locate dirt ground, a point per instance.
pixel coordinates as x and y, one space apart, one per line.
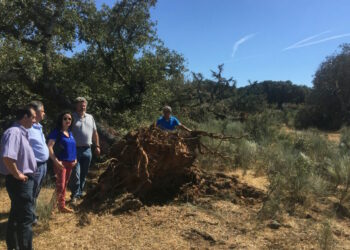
212 224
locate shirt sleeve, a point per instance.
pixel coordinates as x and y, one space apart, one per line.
53 135
11 145
158 121
176 121
93 124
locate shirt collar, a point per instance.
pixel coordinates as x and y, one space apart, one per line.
170 117
23 129
37 125
78 116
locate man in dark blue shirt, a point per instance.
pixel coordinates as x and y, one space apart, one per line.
169 122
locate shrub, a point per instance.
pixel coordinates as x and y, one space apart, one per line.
45 205
226 150
326 239
246 153
261 126
345 140
289 173
339 174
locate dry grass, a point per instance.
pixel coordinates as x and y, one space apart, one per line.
214 224
334 137
249 177
331 136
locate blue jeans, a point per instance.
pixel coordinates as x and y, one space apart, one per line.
19 233
79 173
38 176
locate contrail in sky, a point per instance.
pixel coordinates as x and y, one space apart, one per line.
307 39
305 42
241 41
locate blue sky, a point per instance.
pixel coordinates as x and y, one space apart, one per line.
256 39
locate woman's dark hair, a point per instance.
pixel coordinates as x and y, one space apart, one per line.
60 119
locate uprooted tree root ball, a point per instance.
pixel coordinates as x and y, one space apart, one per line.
153 166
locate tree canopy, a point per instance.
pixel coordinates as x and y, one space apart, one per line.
329 102
123 67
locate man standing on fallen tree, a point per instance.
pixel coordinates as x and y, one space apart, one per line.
169 122
85 132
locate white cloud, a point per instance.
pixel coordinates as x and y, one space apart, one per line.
240 42
307 41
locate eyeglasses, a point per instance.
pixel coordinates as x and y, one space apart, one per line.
67 119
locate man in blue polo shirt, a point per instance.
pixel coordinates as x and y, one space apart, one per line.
169 122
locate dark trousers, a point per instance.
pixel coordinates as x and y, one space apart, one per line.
19 233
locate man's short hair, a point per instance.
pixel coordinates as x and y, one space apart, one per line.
80 99
22 111
36 105
167 108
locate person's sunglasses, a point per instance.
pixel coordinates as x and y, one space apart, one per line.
67 119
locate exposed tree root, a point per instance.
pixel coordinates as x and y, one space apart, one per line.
150 166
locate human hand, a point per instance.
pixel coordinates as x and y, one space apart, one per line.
22 177
97 151
59 164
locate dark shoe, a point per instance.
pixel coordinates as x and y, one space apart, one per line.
74 201
35 222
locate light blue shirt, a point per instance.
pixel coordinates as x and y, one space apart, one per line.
38 142
15 145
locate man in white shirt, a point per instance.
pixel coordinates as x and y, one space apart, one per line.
85 133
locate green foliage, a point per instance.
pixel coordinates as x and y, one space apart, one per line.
326 240
226 151
301 167
10 102
314 145
125 71
277 92
289 114
246 153
329 101
345 140
44 209
261 126
289 174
